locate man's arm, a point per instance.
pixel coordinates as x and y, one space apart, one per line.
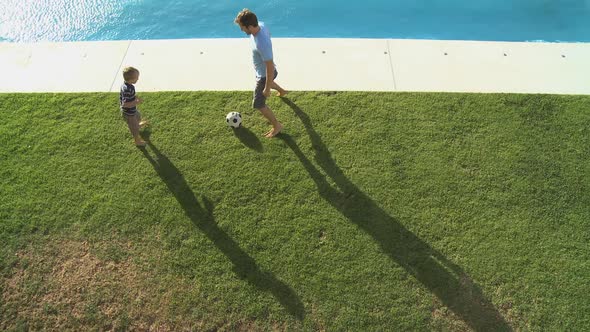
270 75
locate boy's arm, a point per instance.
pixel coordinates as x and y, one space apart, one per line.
129 104
270 75
132 103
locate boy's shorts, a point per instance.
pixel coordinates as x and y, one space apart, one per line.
259 99
127 116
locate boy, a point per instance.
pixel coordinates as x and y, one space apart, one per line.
129 102
263 65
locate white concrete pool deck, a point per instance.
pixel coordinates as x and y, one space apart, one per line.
304 64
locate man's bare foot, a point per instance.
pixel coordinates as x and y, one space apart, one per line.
274 131
282 93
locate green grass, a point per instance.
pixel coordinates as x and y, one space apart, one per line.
373 211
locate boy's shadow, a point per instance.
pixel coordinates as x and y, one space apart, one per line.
443 278
201 216
248 138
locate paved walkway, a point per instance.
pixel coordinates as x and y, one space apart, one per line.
303 64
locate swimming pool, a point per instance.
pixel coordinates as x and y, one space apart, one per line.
498 20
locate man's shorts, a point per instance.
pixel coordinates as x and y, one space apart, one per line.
259 100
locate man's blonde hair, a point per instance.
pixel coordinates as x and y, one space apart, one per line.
129 73
246 18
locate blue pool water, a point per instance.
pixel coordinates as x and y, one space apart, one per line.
501 20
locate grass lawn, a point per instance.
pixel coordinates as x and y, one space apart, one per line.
372 212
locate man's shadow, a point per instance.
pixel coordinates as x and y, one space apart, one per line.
201 216
443 278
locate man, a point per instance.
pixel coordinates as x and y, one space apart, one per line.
263 65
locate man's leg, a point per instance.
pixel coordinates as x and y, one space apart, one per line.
280 91
259 102
270 116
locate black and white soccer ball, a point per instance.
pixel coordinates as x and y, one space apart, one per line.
234 119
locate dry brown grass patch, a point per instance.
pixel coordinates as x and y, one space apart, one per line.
64 285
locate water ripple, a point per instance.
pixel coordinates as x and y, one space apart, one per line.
55 20
502 20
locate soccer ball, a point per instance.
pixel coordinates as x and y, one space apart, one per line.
234 119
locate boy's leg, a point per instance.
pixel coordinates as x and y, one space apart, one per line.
142 123
133 124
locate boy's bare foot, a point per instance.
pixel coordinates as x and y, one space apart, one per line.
140 143
274 131
282 93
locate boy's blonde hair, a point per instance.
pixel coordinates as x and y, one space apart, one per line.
129 73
